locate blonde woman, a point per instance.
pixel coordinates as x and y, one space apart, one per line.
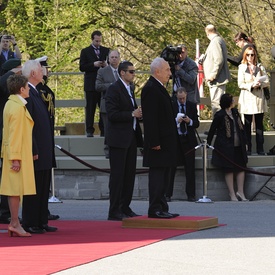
251 80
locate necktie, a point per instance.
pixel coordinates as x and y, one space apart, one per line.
132 99
116 74
183 126
97 52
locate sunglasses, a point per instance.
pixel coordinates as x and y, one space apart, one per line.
130 71
250 54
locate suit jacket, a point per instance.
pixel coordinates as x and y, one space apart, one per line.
105 77
191 111
119 109
42 134
237 60
187 75
159 126
11 55
215 63
4 95
48 97
86 65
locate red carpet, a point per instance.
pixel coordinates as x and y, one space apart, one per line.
75 243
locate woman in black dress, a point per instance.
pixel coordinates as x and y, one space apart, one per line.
230 144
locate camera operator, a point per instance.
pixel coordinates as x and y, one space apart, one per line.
186 72
5 49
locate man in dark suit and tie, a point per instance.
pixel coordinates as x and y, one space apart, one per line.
91 59
123 137
35 207
105 77
160 137
186 115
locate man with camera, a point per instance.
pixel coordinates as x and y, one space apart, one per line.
6 52
91 59
186 71
187 121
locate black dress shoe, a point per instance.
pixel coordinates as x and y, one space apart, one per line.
52 217
117 217
192 199
132 214
160 215
34 230
48 228
90 135
174 215
168 199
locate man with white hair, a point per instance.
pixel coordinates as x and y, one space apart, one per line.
35 207
160 137
215 67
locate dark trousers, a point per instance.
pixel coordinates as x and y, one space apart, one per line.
122 177
259 131
35 207
158 180
4 204
189 168
92 101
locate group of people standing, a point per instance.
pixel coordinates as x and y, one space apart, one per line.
27 149
231 125
170 122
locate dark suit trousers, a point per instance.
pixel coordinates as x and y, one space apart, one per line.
158 180
189 168
35 207
122 177
92 100
4 204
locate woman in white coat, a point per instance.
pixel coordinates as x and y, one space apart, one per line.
252 79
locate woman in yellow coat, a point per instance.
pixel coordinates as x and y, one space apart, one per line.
17 171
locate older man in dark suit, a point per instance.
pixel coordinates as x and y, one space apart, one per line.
160 137
105 77
186 115
123 137
91 59
35 207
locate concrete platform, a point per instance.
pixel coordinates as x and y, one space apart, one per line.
181 222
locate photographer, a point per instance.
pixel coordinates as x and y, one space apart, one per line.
187 121
6 52
186 72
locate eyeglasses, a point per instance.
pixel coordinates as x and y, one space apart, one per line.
250 54
130 71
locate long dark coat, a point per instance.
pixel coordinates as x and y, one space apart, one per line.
159 126
223 143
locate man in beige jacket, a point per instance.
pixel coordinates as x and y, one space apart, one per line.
215 67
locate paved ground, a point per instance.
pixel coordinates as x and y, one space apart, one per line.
246 245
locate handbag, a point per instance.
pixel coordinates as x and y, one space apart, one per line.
266 93
265 89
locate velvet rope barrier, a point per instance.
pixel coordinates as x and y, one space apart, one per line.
141 171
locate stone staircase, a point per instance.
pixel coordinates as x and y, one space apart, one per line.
73 180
